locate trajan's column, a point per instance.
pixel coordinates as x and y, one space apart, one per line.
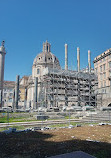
2 62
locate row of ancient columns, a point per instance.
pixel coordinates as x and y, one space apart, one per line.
78 59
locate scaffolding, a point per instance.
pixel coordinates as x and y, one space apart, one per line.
59 87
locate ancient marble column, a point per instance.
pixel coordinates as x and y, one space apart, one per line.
78 59
2 62
66 57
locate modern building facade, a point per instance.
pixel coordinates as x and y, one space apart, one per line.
102 67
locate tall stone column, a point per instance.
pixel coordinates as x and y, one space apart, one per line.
66 57
35 91
17 91
2 62
89 61
78 59
13 101
25 100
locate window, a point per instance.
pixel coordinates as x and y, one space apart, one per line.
38 71
47 48
5 94
109 56
110 64
110 82
104 83
109 73
10 99
11 90
104 59
96 70
11 94
5 90
104 75
101 68
104 67
101 76
101 84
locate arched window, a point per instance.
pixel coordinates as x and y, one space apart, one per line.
38 71
47 48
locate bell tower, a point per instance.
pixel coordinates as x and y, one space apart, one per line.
2 62
46 47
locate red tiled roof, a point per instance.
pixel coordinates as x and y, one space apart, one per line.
9 84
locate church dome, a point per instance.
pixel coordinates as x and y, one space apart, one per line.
46 58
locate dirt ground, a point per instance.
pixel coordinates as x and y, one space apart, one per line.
94 140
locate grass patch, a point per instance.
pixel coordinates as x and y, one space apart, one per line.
59 125
13 119
71 123
69 117
17 128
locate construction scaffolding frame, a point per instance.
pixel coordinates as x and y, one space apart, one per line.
59 87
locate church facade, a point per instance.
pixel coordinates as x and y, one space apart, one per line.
42 61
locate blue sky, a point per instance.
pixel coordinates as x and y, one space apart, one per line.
26 24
